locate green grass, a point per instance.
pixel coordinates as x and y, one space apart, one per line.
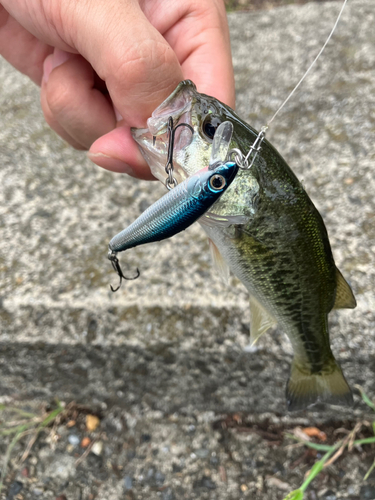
333 452
20 423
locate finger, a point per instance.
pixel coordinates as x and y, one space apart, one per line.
198 33
53 123
117 151
137 64
73 103
21 49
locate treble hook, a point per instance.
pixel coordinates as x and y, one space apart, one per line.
169 167
116 266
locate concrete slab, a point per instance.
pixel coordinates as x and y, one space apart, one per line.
173 341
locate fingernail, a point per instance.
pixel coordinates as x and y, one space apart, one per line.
110 163
53 60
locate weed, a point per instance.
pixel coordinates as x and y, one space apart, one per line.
20 423
333 452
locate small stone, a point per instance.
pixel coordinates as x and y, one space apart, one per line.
61 468
128 483
92 422
330 495
71 423
97 448
281 485
70 448
202 453
37 492
243 488
205 482
14 489
85 442
168 494
159 478
367 492
25 472
351 490
145 438
73 439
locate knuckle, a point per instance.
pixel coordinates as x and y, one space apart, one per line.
146 64
58 95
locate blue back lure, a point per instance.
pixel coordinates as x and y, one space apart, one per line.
174 212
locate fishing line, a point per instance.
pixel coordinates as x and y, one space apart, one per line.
255 148
311 65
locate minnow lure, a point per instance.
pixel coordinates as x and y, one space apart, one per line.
174 212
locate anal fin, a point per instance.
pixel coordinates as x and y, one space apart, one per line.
344 296
260 320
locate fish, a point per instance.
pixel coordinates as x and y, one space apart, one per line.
267 231
174 212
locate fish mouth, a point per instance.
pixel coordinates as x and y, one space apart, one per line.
153 141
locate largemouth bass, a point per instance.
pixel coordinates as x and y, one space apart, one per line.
269 233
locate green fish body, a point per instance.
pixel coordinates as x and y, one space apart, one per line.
268 232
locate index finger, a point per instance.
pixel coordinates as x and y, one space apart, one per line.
199 35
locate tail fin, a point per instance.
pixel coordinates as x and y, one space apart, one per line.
327 386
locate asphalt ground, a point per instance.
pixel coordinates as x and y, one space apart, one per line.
167 357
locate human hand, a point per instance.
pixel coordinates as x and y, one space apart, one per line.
105 66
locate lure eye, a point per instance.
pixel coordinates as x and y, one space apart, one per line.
210 125
217 182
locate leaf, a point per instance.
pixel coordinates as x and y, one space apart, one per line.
295 495
369 471
364 441
365 398
314 446
315 432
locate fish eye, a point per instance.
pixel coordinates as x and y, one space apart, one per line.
210 125
217 182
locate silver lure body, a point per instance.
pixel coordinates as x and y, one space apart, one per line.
177 209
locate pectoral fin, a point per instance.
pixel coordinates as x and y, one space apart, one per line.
213 220
260 320
344 295
219 263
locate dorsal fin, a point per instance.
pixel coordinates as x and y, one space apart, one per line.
219 263
344 295
260 320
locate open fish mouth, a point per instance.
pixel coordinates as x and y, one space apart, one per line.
153 141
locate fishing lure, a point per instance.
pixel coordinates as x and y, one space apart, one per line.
174 212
